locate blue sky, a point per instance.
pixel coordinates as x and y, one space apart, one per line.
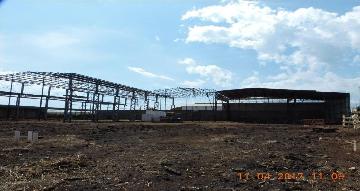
169 43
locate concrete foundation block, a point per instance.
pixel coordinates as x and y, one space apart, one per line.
355 147
35 137
17 135
30 136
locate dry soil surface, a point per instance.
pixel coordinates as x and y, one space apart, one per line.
183 156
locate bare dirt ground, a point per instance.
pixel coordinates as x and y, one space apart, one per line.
185 156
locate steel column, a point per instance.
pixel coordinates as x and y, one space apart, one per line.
18 101
41 99
47 103
9 102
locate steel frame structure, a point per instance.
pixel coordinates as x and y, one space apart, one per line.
335 103
93 91
181 92
90 93
93 94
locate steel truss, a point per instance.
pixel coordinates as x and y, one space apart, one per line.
93 88
181 92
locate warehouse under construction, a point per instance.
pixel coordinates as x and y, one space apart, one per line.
71 96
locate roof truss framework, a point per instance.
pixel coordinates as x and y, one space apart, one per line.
180 92
72 82
86 84
80 83
93 88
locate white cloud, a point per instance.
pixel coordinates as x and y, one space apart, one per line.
279 35
187 61
327 82
148 74
307 44
356 59
107 1
219 76
178 40
3 72
53 40
193 84
63 45
157 38
70 38
1 41
3 59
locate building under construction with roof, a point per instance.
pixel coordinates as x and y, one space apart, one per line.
69 96
283 105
